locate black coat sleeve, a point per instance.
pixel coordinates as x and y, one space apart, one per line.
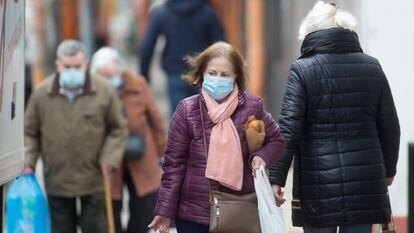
389 129
291 121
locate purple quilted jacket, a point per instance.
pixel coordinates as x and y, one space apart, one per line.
184 191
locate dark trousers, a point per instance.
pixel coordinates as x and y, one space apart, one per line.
65 219
178 90
141 210
360 228
184 226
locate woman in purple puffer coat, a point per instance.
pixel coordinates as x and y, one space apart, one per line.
184 192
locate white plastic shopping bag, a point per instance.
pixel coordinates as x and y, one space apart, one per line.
271 216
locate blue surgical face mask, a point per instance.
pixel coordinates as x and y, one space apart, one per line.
218 87
72 78
116 81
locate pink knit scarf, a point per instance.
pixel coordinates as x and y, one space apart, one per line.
225 158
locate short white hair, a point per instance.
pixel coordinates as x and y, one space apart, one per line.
103 57
324 16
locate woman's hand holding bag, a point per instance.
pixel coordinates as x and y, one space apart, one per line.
160 224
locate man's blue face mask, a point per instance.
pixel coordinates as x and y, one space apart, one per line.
72 78
218 87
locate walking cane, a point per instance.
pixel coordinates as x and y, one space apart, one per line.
108 203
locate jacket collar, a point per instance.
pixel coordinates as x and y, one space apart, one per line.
242 99
333 40
131 83
88 87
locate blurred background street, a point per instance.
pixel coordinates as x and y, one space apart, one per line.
264 31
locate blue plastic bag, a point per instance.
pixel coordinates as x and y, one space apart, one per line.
26 207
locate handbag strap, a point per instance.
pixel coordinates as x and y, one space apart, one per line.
204 139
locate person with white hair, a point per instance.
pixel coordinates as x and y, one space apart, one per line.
140 170
341 129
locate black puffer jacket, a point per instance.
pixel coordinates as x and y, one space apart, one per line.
341 127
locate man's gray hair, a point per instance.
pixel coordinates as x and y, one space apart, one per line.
69 48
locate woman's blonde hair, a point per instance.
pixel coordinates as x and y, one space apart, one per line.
198 64
325 16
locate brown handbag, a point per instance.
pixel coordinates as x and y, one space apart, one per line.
389 227
231 213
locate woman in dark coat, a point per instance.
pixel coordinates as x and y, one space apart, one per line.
341 129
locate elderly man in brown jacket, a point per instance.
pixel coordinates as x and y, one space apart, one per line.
75 123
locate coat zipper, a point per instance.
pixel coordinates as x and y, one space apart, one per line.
217 212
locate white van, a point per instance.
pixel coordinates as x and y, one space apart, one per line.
12 21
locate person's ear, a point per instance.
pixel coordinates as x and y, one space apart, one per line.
58 65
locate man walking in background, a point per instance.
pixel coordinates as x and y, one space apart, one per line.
189 26
75 123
